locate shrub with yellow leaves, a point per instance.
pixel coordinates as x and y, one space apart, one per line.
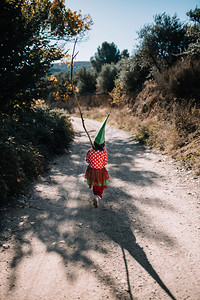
117 94
60 87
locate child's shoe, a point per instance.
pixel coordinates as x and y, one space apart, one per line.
96 201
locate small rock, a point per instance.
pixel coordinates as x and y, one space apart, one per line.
123 281
190 193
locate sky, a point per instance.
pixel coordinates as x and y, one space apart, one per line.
118 21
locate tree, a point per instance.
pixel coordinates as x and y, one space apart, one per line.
194 15
29 36
161 42
132 74
124 54
106 77
106 54
193 31
86 80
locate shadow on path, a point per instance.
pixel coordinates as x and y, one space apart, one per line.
120 232
44 217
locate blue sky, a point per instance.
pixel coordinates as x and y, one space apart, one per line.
119 20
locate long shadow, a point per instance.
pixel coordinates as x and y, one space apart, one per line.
121 233
44 216
127 274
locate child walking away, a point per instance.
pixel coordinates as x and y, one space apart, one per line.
96 174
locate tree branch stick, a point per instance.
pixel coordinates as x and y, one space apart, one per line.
75 95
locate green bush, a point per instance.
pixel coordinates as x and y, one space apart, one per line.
143 135
27 141
86 80
132 74
106 78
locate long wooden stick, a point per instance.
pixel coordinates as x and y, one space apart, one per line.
75 95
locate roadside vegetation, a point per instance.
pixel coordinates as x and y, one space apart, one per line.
32 35
28 141
154 93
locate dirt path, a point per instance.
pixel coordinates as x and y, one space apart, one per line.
141 243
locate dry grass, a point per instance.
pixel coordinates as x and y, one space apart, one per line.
119 117
174 132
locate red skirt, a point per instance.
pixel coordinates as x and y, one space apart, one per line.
97 177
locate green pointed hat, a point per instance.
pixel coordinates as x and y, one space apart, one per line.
100 137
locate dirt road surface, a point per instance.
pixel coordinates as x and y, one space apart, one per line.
141 243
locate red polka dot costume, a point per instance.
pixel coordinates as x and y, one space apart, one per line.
96 159
96 174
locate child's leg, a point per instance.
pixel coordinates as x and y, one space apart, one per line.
98 190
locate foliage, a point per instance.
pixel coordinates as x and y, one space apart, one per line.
162 46
86 80
106 78
124 54
165 74
143 135
161 42
106 54
132 73
182 81
193 30
59 87
27 141
175 131
117 94
131 76
194 15
29 31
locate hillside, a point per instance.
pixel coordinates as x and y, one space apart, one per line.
57 67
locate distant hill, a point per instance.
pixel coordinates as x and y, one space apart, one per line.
64 67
